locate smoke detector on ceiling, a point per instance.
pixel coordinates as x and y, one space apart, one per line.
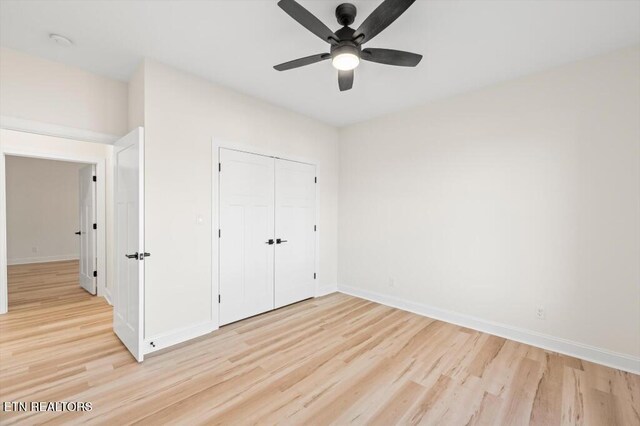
61 40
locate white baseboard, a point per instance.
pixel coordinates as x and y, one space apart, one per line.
544 341
107 296
326 289
41 259
163 341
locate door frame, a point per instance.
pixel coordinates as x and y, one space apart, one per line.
216 144
101 191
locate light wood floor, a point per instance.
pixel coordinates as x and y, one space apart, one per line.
333 360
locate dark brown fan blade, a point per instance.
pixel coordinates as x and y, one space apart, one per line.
391 57
308 20
345 80
381 18
302 62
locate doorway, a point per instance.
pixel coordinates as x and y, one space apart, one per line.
36 146
51 230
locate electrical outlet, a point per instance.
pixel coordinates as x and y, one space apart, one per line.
540 312
34 249
392 282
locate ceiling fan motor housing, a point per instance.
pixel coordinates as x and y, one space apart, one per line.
346 14
346 43
345 47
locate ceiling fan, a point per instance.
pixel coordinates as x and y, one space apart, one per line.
346 43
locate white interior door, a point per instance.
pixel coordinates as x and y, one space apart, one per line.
295 232
129 241
246 230
88 240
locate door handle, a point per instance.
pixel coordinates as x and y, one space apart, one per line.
279 241
78 233
270 242
131 256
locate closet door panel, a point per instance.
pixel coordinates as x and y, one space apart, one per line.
246 225
295 228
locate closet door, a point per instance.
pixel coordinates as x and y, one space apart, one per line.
246 228
295 232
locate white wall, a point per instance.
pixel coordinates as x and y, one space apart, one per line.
42 210
45 91
491 203
136 99
182 115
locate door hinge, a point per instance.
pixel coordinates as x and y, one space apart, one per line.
315 228
219 233
219 298
95 226
314 275
95 273
219 167
95 178
315 180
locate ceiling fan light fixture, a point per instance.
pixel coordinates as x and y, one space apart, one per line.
345 61
345 58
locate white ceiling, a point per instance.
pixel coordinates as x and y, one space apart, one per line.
466 44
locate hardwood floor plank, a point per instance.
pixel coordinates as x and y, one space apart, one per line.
488 411
547 405
573 398
398 405
519 401
429 400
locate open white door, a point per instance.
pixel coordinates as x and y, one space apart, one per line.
87 233
128 294
246 235
295 209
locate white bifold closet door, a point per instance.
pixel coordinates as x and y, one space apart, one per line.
295 232
246 226
267 233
